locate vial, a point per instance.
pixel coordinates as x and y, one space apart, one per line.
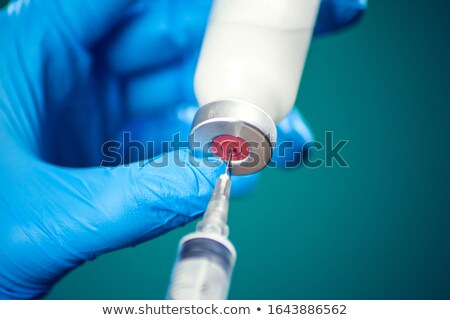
249 71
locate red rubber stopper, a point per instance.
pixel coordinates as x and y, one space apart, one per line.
221 146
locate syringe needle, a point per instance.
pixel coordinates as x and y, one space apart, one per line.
228 168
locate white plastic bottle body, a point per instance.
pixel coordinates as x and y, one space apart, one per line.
255 51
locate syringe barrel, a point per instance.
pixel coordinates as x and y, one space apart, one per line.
203 268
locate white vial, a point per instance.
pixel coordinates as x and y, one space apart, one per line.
255 51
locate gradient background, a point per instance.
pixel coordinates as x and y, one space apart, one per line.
377 230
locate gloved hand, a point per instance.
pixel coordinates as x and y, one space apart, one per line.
73 75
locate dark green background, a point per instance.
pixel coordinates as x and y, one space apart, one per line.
377 230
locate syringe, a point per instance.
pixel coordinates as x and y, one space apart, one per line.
206 257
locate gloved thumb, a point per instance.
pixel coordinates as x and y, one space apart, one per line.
102 209
58 218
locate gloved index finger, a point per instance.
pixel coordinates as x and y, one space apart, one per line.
86 21
162 33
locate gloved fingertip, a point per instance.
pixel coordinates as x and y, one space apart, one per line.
294 135
337 14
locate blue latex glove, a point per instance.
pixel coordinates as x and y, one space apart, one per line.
74 74
337 14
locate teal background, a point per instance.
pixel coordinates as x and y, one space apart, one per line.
377 230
